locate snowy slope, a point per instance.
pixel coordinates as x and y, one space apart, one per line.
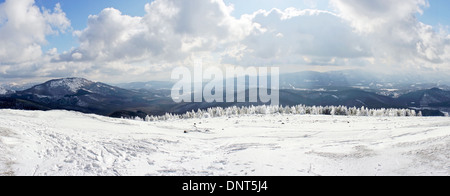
60 87
5 91
72 84
2 90
69 143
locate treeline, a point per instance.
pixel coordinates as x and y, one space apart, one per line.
295 110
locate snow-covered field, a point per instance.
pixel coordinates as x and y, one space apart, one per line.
70 143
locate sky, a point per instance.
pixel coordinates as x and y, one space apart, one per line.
143 40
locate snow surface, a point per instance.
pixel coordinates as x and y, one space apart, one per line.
70 143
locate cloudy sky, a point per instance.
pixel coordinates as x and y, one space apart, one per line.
142 40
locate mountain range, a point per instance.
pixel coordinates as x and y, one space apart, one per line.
153 98
82 95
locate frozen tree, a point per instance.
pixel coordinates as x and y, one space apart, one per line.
287 110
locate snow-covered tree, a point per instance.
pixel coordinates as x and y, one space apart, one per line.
287 110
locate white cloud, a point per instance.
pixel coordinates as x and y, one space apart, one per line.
376 33
171 31
394 33
109 35
300 37
56 20
24 27
369 16
77 56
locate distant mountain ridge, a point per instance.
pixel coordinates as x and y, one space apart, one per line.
3 91
152 85
59 87
425 98
86 96
81 95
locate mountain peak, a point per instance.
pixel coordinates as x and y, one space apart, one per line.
436 89
2 90
5 91
71 84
